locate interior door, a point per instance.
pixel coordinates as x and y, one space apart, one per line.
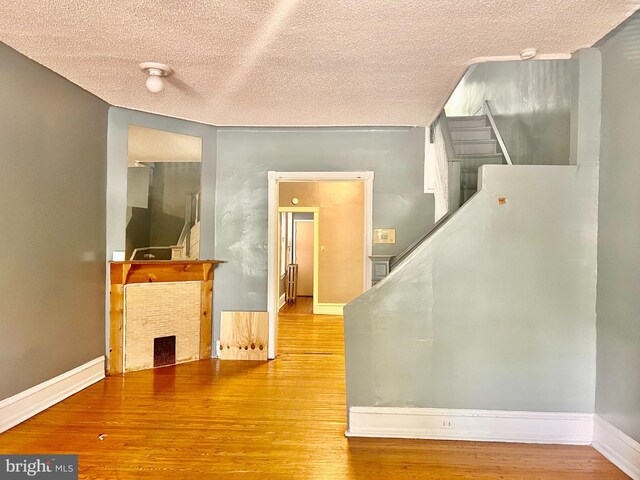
304 257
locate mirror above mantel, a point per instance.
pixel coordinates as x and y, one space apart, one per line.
163 195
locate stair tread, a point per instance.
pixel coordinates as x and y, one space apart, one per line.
473 133
469 129
484 156
467 117
479 140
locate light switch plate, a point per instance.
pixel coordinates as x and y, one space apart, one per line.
384 235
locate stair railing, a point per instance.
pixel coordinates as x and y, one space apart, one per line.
450 175
494 127
151 253
395 260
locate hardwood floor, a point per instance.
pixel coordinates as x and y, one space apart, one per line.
283 419
302 305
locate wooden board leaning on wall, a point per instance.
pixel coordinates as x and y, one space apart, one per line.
244 335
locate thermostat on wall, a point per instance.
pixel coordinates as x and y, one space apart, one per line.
384 235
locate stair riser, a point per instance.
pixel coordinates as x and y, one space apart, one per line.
473 134
479 147
467 123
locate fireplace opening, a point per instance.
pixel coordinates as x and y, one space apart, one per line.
164 351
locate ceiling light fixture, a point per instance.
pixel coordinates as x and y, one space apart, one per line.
529 53
155 83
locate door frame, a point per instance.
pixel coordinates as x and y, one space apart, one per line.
316 244
273 241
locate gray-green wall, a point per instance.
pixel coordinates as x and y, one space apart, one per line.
52 242
245 155
496 311
531 102
618 302
118 136
234 190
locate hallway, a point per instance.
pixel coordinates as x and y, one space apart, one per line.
283 419
302 305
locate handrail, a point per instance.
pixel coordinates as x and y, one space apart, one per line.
147 249
182 239
396 259
451 157
492 121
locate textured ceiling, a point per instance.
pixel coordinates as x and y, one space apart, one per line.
293 62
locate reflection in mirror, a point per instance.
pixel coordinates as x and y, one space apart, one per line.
163 195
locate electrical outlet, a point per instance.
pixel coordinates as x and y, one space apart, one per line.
446 422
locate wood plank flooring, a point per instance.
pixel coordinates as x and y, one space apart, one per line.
302 305
282 419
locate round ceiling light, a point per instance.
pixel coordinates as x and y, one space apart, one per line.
155 83
529 53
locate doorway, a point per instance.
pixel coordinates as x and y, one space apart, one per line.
298 258
340 282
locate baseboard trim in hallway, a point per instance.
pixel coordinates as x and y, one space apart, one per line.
329 308
618 447
473 425
30 402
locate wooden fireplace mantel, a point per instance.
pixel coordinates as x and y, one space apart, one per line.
141 271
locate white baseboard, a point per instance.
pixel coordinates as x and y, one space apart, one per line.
26 404
281 302
474 425
618 447
328 309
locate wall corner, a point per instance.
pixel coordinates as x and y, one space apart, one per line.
586 106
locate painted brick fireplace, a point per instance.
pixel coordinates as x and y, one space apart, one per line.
157 310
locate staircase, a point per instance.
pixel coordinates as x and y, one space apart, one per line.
474 143
471 142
